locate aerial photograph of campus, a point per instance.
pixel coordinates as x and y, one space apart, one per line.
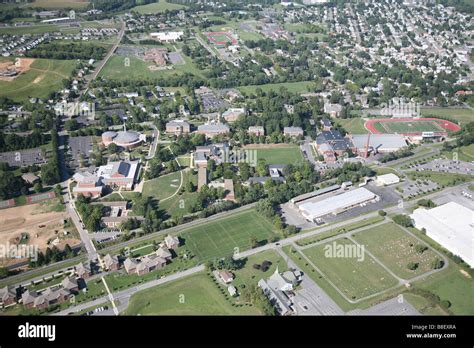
236 158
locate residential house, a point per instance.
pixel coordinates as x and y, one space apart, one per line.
111 263
7 295
171 242
83 270
225 276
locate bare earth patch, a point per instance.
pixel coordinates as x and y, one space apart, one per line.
22 65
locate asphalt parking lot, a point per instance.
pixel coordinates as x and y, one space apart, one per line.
446 166
23 158
418 187
78 146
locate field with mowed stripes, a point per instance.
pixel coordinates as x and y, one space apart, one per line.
219 238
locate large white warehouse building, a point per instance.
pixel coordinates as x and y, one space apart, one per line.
451 225
312 209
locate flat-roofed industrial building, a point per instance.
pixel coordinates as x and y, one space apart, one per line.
312 209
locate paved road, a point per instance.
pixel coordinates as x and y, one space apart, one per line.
125 295
311 299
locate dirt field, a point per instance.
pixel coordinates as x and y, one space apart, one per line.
41 227
22 66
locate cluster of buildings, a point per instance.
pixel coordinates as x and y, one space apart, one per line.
126 138
119 174
331 144
278 288
156 260
52 295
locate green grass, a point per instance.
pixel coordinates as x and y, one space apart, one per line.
45 76
464 153
343 229
442 179
396 248
181 204
353 125
293 87
290 154
356 279
160 188
461 115
193 295
57 4
157 7
115 69
411 127
453 286
219 238
423 305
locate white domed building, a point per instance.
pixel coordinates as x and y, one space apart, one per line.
125 139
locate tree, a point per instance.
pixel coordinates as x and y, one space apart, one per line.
382 213
412 266
38 187
3 272
403 220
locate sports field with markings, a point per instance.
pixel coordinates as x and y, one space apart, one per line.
219 238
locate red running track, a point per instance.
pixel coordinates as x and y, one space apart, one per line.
448 125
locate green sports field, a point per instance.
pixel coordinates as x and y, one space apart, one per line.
463 115
219 238
411 127
157 7
115 69
356 279
290 154
396 248
43 77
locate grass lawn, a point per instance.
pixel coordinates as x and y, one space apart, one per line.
115 69
442 179
465 153
219 238
157 7
162 187
423 305
293 87
55 4
353 125
193 295
249 275
290 154
45 76
396 248
181 204
462 115
343 229
356 279
453 286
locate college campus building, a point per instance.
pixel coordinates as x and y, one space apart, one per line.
50 296
178 127
211 130
170 36
126 139
451 226
378 143
387 179
312 208
120 174
293 131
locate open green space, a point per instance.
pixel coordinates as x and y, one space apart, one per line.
182 203
293 87
464 153
290 154
217 239
349 227
355 277
459 114
193 295
353 125
157 7
115 69
44 77
442 179
396 249
451 285
411 127
57 4
163 186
